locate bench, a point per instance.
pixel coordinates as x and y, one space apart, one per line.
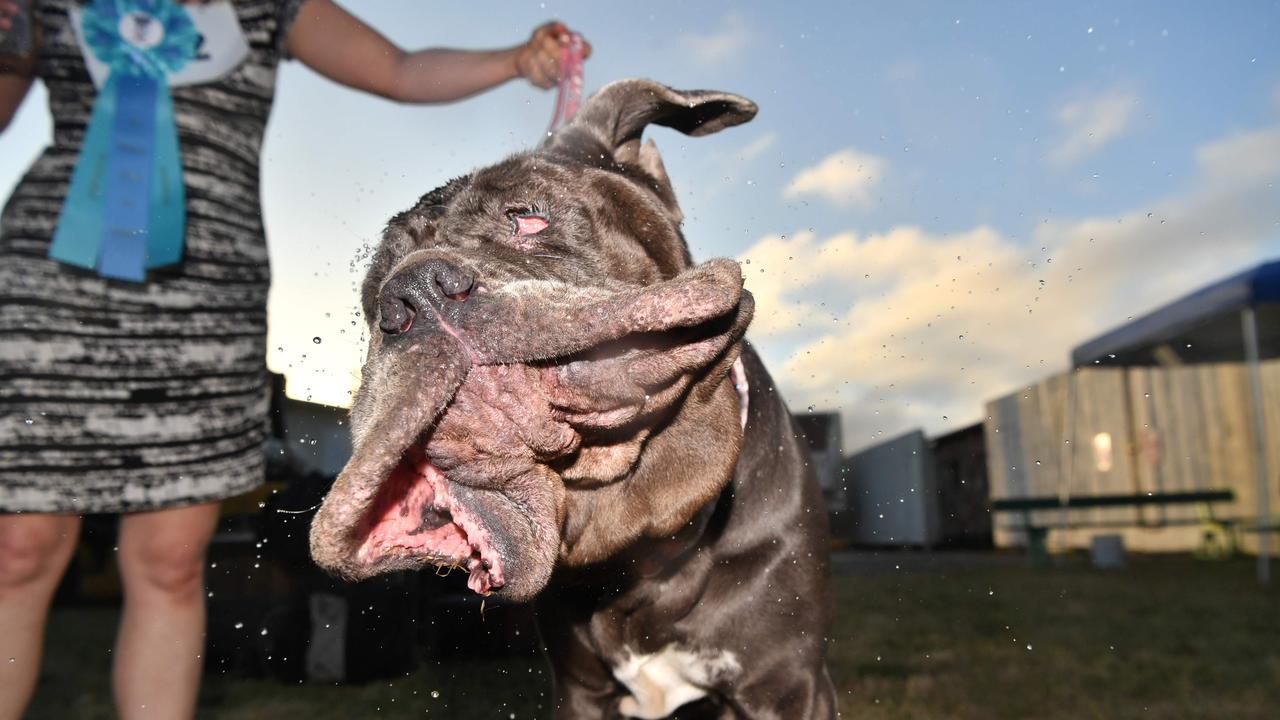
1219 537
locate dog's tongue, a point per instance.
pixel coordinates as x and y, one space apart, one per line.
415 386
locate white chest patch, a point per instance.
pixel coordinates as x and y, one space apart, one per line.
663 681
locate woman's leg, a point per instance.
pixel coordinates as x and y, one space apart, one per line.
159 651
34 550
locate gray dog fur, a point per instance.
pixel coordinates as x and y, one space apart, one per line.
547 403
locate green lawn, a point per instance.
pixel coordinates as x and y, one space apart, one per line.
1167 638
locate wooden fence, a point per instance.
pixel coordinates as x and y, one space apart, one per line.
1133 430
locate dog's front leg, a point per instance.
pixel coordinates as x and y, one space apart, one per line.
577 700
584 688
803 692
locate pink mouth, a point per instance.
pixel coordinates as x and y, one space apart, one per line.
414 515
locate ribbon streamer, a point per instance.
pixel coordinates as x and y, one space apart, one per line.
125 210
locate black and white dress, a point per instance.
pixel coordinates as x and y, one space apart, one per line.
118 396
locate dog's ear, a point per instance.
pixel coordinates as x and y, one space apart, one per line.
614 118
533 322
645 375
617 363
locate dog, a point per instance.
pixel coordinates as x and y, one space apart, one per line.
559 402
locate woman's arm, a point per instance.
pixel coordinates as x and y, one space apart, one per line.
13 88
335 44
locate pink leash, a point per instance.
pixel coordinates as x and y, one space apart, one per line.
569 94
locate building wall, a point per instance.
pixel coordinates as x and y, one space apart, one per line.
825 440
960 473
892 494
316 437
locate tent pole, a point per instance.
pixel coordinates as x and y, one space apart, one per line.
1249 324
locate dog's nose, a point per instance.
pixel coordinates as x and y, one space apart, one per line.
454 282
395 315
408 291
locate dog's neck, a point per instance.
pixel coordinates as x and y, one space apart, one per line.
686 464
667 553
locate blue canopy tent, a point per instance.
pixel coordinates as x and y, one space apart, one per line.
1233 320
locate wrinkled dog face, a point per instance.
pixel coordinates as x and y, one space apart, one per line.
532 325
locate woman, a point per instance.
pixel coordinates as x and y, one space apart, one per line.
149 398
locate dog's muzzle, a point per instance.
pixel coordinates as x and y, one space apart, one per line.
428 284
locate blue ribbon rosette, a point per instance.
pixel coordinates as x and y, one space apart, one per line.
125 211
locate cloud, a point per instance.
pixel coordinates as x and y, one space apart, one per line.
846 177
914 329
754 148
901 71
1089 124
723 45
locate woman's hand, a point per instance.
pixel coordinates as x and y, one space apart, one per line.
538 60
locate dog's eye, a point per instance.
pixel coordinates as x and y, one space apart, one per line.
526 222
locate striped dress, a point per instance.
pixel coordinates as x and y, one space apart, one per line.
118 396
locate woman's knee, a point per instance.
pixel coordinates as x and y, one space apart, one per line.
34 547
165 552
171 569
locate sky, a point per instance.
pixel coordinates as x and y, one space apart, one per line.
936 202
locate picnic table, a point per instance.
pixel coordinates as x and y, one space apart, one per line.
1218 540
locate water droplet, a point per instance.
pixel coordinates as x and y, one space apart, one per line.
316 340
435 693
239 626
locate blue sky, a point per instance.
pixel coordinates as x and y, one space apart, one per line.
938 200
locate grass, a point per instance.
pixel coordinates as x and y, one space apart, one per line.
1167 638
1170 637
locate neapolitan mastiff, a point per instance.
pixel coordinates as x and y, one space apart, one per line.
559 401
